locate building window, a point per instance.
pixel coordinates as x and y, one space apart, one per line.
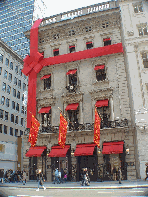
16 119
1 128
138 8
100 72
14 92
16 69
107 41
11 65
22 97
1 58
143 30
22 110
72 48
47 83
13 105
11 131
88 29
18 95
145 59
24 87
7 62
1 113
6 115
17 107
16 132
5 74
71 33
104 112
10 77
3 100
12 117
105 25
89 45
8 89
56 36
4 87
46 119
19 84
7 102
72 77
15 80
0 70
20 72
22 121
5 129
21 132
56 52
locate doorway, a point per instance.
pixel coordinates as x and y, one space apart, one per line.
32 168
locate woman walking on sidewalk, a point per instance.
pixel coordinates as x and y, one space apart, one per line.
40 180
24 177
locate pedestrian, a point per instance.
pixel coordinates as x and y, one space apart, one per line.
24 177
119 175
9 176
146 171
62 175
56 176
65 177
114 173
40 180
59 176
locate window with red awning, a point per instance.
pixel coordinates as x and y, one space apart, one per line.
99 67
101 103
71 72
58 151
72 106
44 110
35 151
84 149
113 147
45 77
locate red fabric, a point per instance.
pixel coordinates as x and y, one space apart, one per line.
106 39
99 67
45 77
33 131
88 43
55 50
58 151
62 131
112 147
35 151
102 103
84 149
97 129
71 72
72 106
44 110
72 46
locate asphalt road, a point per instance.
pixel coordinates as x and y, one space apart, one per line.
13 191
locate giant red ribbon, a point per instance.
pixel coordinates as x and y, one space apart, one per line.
35 62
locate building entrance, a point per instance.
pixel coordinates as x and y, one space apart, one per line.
32 168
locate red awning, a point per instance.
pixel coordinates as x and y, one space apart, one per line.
84 149
35 151
102 103
71 72
112 147
99 67
44 110
72 106
106 39
58 151
88 42
55 50
72 46
45 77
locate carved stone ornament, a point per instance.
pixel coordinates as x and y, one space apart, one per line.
46 102
101 94
72 97
130 33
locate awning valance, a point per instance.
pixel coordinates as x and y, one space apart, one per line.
45 77
88 42
106 39
44 110
58 151
71 72
112 147
72 106
84 149
72 46
55 50
35 151
102 103
99 67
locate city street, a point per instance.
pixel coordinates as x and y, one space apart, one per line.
13 191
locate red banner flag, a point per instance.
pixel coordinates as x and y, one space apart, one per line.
33 131
97 128
62 131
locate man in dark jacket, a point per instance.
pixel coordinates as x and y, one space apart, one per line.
40 180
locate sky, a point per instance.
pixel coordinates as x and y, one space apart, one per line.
58 6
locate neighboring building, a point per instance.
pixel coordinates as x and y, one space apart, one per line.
76 87
16 17
134 22
13 84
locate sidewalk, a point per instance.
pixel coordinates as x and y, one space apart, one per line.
76 185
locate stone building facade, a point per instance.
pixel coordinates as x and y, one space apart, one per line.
100 81
135 41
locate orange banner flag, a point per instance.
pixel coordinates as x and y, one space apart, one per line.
33 131
97 128
62 131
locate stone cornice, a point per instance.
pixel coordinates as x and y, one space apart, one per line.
72 97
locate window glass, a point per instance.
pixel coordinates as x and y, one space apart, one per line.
8 89
5 129
13 105
10 77
11 65
145 59
47 83
22 121
5 74
16 132
15 80
6 115
11 131
0 70
1 128
1 58
16 119
20 72
3 100
1 113
19 83
22 111
7 102
16 69
18 95
4 87
12 118
17 107
7 62
24 86
21 132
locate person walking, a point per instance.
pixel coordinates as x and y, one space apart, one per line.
40 180
114 173
119 175
62 175
24 177
56 176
